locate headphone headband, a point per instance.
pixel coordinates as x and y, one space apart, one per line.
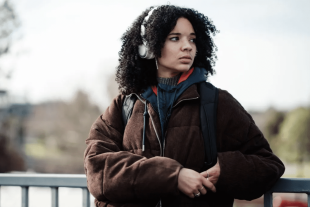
144 50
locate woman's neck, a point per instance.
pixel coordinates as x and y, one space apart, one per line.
173 81
167 73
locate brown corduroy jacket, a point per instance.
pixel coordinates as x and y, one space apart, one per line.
119 173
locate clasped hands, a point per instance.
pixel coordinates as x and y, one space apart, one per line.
192 183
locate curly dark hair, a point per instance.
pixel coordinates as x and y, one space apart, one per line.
134 74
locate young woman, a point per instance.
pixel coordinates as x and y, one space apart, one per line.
157 158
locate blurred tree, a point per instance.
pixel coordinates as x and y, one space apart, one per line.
11 124
8 23
56 134
273 123
10 157
294 137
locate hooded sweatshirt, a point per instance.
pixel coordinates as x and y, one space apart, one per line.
163 96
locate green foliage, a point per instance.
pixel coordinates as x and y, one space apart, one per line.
274 121
293 141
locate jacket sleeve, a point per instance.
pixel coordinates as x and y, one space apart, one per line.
248 168
121 176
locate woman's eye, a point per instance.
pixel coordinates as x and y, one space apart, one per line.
193 40
174 38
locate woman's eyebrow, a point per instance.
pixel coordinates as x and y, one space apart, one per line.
175 34
180 34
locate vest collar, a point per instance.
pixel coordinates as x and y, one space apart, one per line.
183 78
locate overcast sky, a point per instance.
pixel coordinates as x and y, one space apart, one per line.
66 45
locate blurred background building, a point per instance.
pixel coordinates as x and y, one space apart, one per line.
58 59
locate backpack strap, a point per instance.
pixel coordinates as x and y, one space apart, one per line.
128 104
208 108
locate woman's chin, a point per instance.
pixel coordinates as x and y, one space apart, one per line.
172 71
183 68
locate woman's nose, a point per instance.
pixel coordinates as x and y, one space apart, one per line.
186 45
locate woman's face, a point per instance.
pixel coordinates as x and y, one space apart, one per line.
179 50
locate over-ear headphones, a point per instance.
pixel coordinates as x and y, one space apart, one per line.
144 50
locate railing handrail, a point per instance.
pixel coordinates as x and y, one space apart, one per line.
291 185
288 185
284 185
43 180
54 181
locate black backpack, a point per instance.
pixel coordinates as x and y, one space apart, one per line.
208 107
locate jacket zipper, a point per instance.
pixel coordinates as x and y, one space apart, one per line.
161 151
185 100
164 141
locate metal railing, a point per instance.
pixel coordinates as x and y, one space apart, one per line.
288 185
54 181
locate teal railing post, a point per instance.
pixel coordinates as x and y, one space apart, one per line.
25 196
86 197
268 199
55 198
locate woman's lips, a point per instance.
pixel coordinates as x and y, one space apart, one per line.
186 59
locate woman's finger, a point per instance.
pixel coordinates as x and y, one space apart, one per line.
208 184
197 193
191 195
203 190
205 174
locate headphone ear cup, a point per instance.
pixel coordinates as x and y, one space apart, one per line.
142 51
149 54
145 52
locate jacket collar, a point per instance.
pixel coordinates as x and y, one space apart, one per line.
187 80
190 93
